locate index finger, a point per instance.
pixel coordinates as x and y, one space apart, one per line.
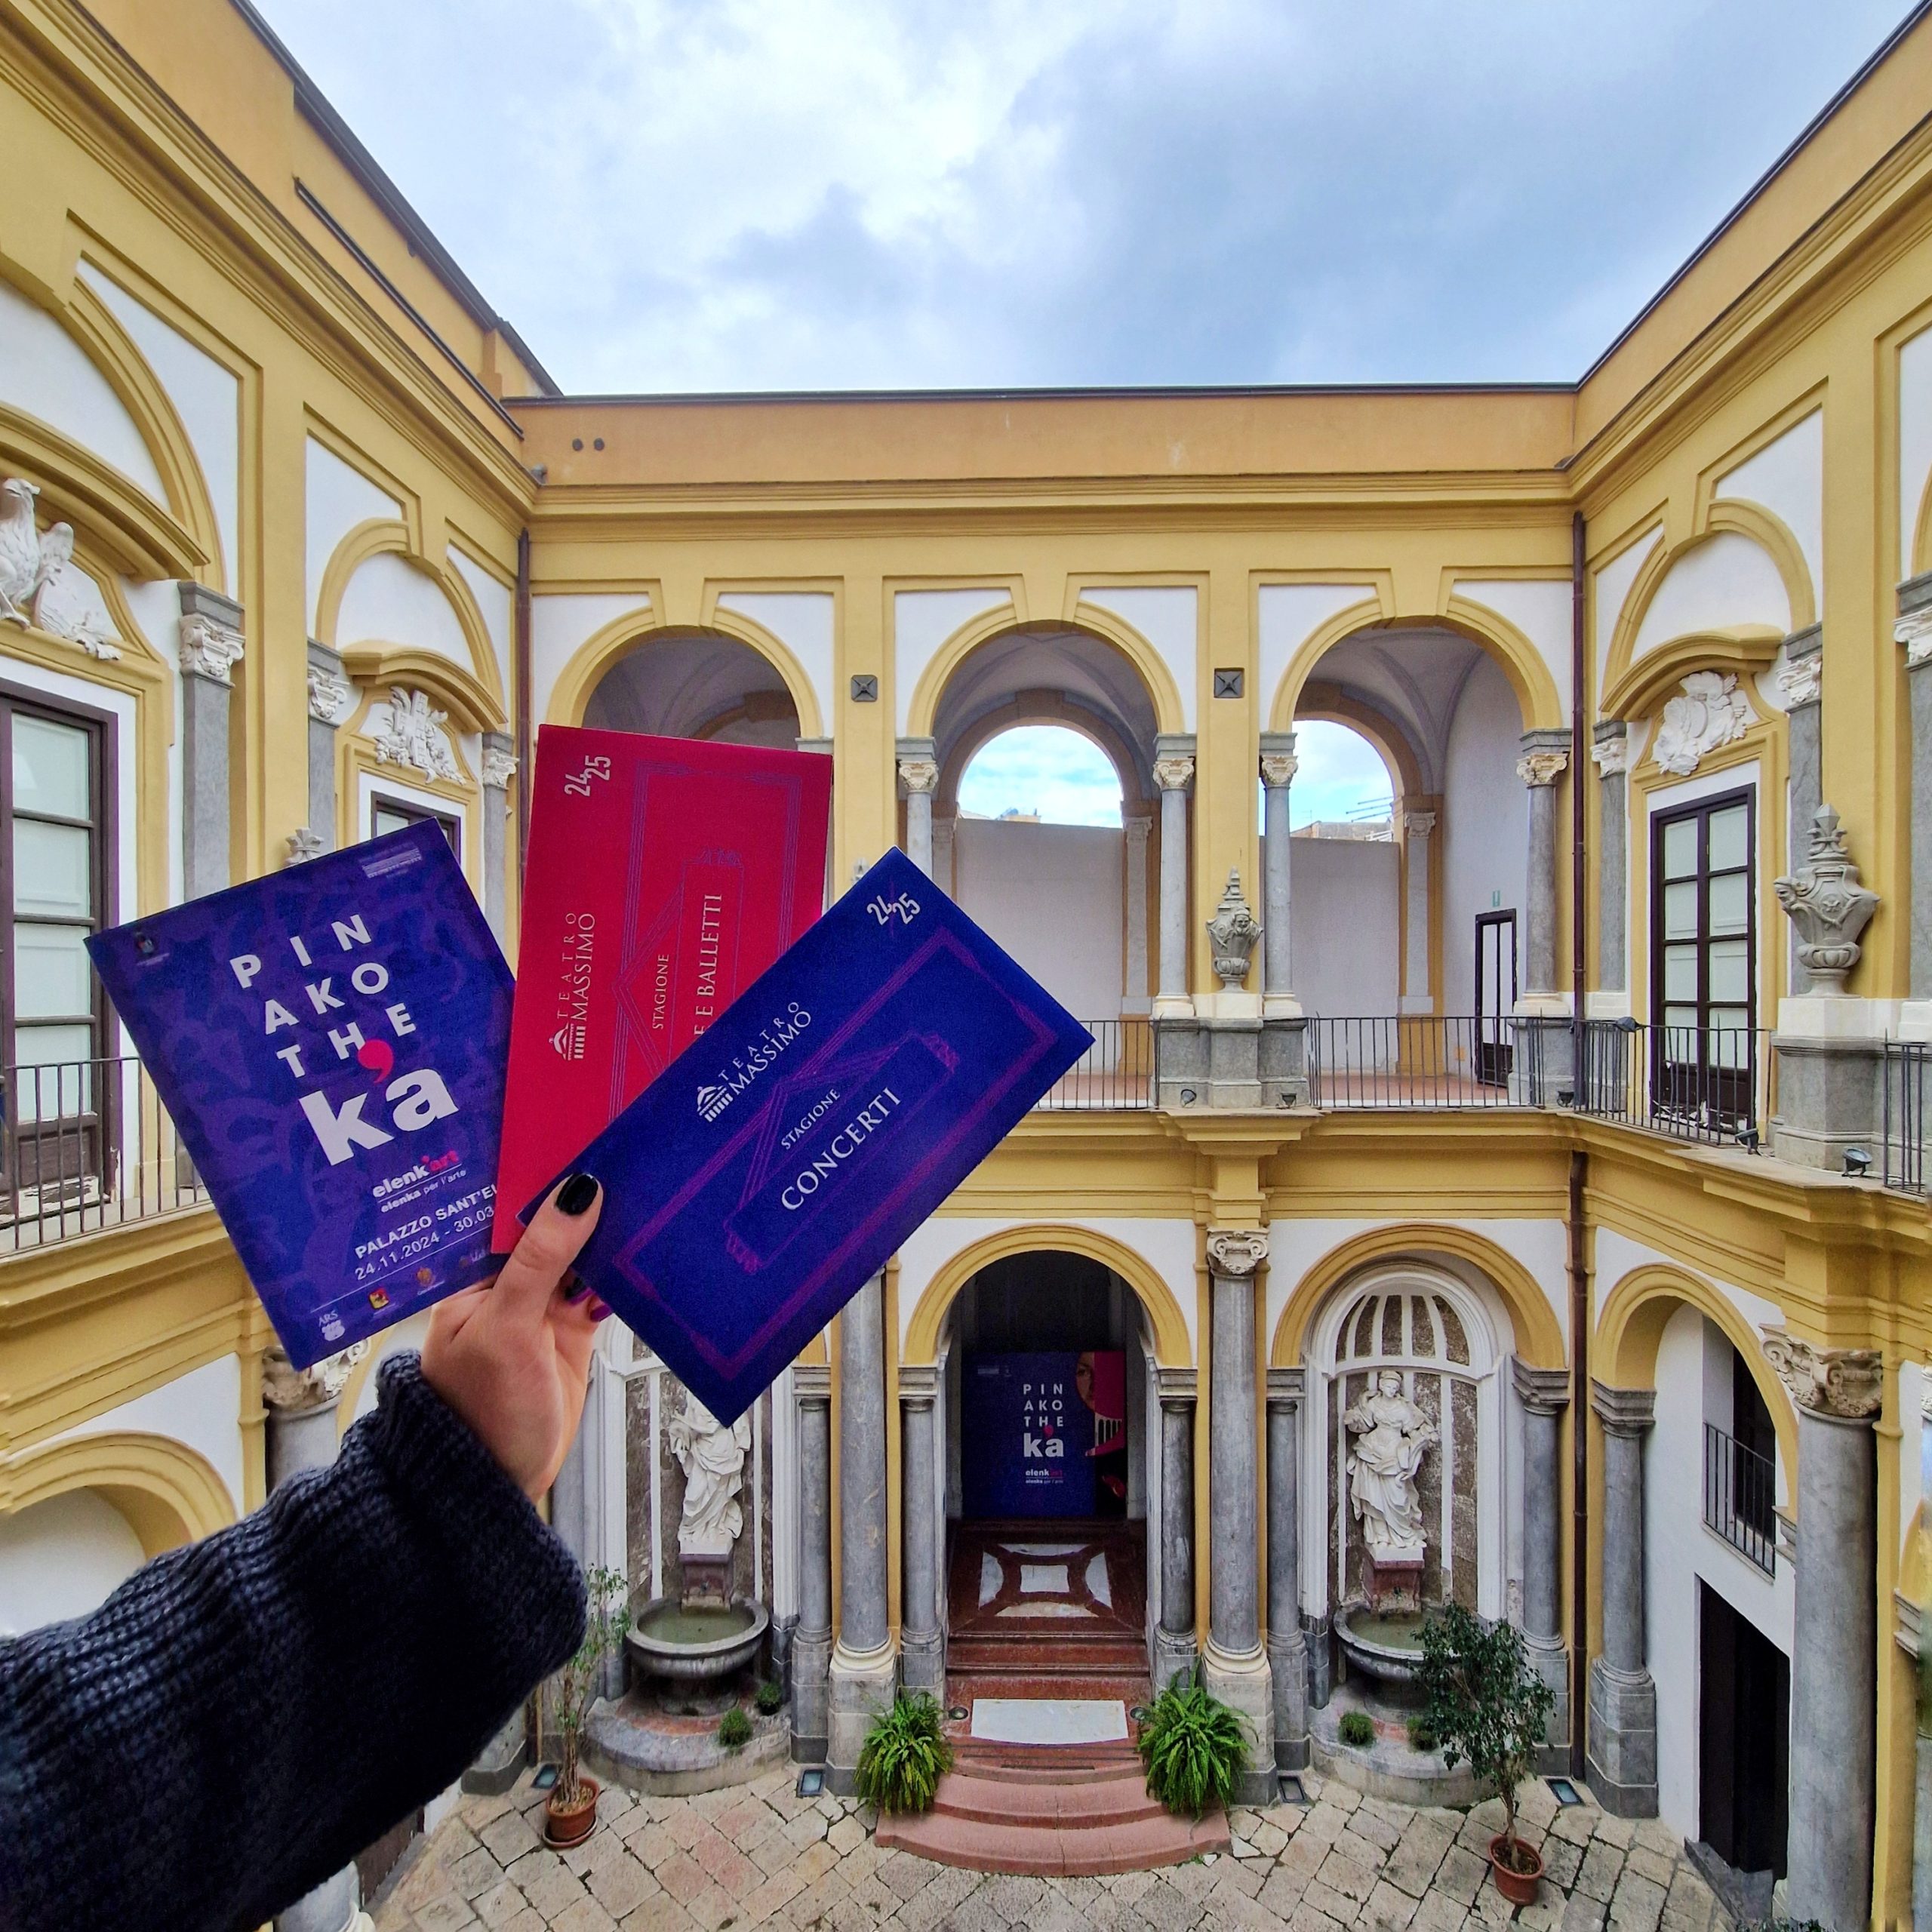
543 1256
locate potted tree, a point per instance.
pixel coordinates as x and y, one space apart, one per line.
571 1811
1485 1704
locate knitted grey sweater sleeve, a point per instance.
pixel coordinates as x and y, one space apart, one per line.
244 1715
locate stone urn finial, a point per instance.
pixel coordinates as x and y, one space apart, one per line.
1233 931
1829 906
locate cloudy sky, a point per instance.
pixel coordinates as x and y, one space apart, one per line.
762 194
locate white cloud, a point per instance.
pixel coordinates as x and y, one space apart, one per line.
1341 775
748 194
1045 768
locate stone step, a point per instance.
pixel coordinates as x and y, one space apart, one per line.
1047 1764
1072 1800
985 1656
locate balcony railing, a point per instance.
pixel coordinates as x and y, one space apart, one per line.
1115 1074
86 1145
1424 1061
1695 1082
1740 1497
1908 1075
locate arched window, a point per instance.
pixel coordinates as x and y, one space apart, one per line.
1044 774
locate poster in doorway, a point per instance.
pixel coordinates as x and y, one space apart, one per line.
1044 1434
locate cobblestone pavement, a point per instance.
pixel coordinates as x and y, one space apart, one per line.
760 1855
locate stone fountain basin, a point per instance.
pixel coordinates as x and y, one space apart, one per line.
1386 1645
694 1646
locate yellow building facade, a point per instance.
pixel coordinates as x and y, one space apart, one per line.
1545 1105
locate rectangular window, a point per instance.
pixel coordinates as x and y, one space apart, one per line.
388 815
1704 962
56 887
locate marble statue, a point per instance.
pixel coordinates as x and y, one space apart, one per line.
1391 1435
712 1458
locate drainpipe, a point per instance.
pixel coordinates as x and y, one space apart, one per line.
1579 1281
520 700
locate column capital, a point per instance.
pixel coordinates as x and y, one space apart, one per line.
288 1390
1286 1387
1176 1387
1136 826
1174 771
919 1384
498 759
209 635
1610 748
811 1384
1914 628
1546 757
1278 762
331 695
919 774
1544 1392
1418 824
1236 1253
1627 1412
1836 1385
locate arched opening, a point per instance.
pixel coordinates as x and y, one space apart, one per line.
696 684
61 1558
1046 1364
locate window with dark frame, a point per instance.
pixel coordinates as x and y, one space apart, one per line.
1703 958
56 785
388 815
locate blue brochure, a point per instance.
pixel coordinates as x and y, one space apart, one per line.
330 1041
761 1178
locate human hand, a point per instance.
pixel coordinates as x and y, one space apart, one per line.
513 1357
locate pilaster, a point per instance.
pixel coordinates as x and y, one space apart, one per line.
210 646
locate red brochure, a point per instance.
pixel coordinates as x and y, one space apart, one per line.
663 876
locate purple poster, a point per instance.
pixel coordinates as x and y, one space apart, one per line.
1044 1434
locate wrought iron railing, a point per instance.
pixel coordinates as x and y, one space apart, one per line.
1740 1497
1695 1082
1908 1077
1422 1061
1115 1074
86 1145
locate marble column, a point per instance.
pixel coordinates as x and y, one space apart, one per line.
942 831
1237 1665
1801 686
1287 1644
1174 772
1610 753
1416 828
1173 1636
331 698
1914 631
1833 1807
301 1434
865 1670
499 768
1542 1395
1137 827
1543 1047
918 778
1623 1725
209 644
922 1649
1278 767
811 1643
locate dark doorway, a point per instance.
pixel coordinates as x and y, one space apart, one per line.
1744 1721
1496 994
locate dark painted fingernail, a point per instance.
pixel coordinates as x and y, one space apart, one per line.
600 1312
580 1288
577 1193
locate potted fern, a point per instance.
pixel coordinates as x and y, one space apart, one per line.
1193 1745
1484 1703
571 1811
904 1756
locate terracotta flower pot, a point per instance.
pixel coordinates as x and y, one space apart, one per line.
567 1826
1519 1887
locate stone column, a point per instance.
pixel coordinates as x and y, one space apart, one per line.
921 1648
331 697
1136 826
811 1643
1801 685
942 831
1287 1645
1174 1637
210 637
1237 1665
499 768
1544 1394
1278 767
303 1434
1915 632
1622 1749
864 1671
1174 772
1611 753
1834 1637
918 778
1416 826
1540 1063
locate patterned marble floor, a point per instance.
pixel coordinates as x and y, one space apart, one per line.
759 1855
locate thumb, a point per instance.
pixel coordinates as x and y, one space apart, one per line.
541 1259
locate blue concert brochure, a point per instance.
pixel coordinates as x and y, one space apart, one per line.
330 1041
754 1185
